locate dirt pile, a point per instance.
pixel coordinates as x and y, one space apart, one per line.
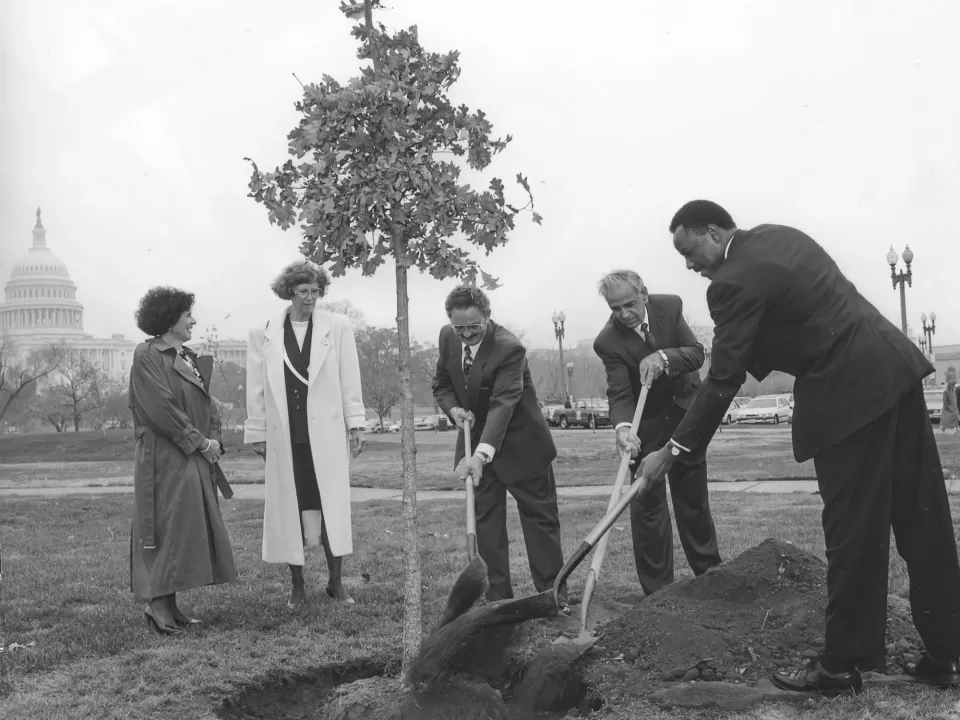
756 615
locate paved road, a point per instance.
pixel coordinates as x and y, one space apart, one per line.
255 492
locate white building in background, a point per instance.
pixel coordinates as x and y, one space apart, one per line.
41 309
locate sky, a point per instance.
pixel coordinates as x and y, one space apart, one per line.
127 123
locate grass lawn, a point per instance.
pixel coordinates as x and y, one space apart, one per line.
584 458
65 587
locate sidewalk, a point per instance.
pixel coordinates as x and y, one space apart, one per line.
362 494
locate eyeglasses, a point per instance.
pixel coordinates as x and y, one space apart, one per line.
308 292
461 329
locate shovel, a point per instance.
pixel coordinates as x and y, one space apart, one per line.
473 582
594 574
547 603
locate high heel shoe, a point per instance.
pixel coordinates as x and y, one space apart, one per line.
348 600
159 625
184 620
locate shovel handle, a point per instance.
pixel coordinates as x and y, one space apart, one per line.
472 550
598 531
594 574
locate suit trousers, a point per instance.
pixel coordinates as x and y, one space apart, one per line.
536 500
886 474
650 516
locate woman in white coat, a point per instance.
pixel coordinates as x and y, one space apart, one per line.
303 403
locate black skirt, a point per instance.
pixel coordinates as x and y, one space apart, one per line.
305 478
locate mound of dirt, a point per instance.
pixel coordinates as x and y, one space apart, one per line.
756 615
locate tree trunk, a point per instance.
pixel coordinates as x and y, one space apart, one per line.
412 623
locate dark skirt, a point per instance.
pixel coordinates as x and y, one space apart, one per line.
305 478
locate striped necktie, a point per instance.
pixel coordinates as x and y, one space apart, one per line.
648 337
467 361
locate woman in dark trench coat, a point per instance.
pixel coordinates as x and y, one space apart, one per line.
178 540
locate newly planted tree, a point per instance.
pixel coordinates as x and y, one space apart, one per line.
375 174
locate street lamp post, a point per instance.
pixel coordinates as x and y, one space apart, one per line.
923 346
558 320
929 330
902 279
570 379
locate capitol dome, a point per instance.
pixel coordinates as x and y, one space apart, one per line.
40 296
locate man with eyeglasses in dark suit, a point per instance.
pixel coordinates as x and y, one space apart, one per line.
482 376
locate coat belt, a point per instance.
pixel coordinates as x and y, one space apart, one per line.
146 506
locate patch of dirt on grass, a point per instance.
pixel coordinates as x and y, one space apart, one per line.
759 614
293 697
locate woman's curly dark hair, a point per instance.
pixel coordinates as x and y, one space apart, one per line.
161 308
301 272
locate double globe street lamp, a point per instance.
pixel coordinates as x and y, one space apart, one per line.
929 330
902 279
558 320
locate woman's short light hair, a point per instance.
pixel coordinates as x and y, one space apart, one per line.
618 276
301 272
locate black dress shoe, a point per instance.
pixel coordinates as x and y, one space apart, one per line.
936 671
157 624
818 680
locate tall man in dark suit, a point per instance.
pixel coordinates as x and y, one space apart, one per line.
646 342
482 375
779 302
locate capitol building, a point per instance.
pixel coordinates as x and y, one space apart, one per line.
41 310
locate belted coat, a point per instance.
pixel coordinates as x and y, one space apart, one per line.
178 538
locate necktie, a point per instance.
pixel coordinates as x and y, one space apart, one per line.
467 361
648 337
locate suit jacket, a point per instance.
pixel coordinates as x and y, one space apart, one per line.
779 302
622 348
502 398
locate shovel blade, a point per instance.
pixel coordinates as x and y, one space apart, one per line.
584 640
505 612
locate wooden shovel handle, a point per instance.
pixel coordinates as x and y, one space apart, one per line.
472 551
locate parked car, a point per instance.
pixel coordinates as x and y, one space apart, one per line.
549 409
766 408
373 427
395 427
427 422
732 411
591 415
934 400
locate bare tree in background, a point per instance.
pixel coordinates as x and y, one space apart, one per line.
79 381
19 370
378 350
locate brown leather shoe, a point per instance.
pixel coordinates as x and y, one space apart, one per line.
936 671
818 680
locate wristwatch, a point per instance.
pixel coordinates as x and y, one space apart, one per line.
674 450
666 362
484 458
